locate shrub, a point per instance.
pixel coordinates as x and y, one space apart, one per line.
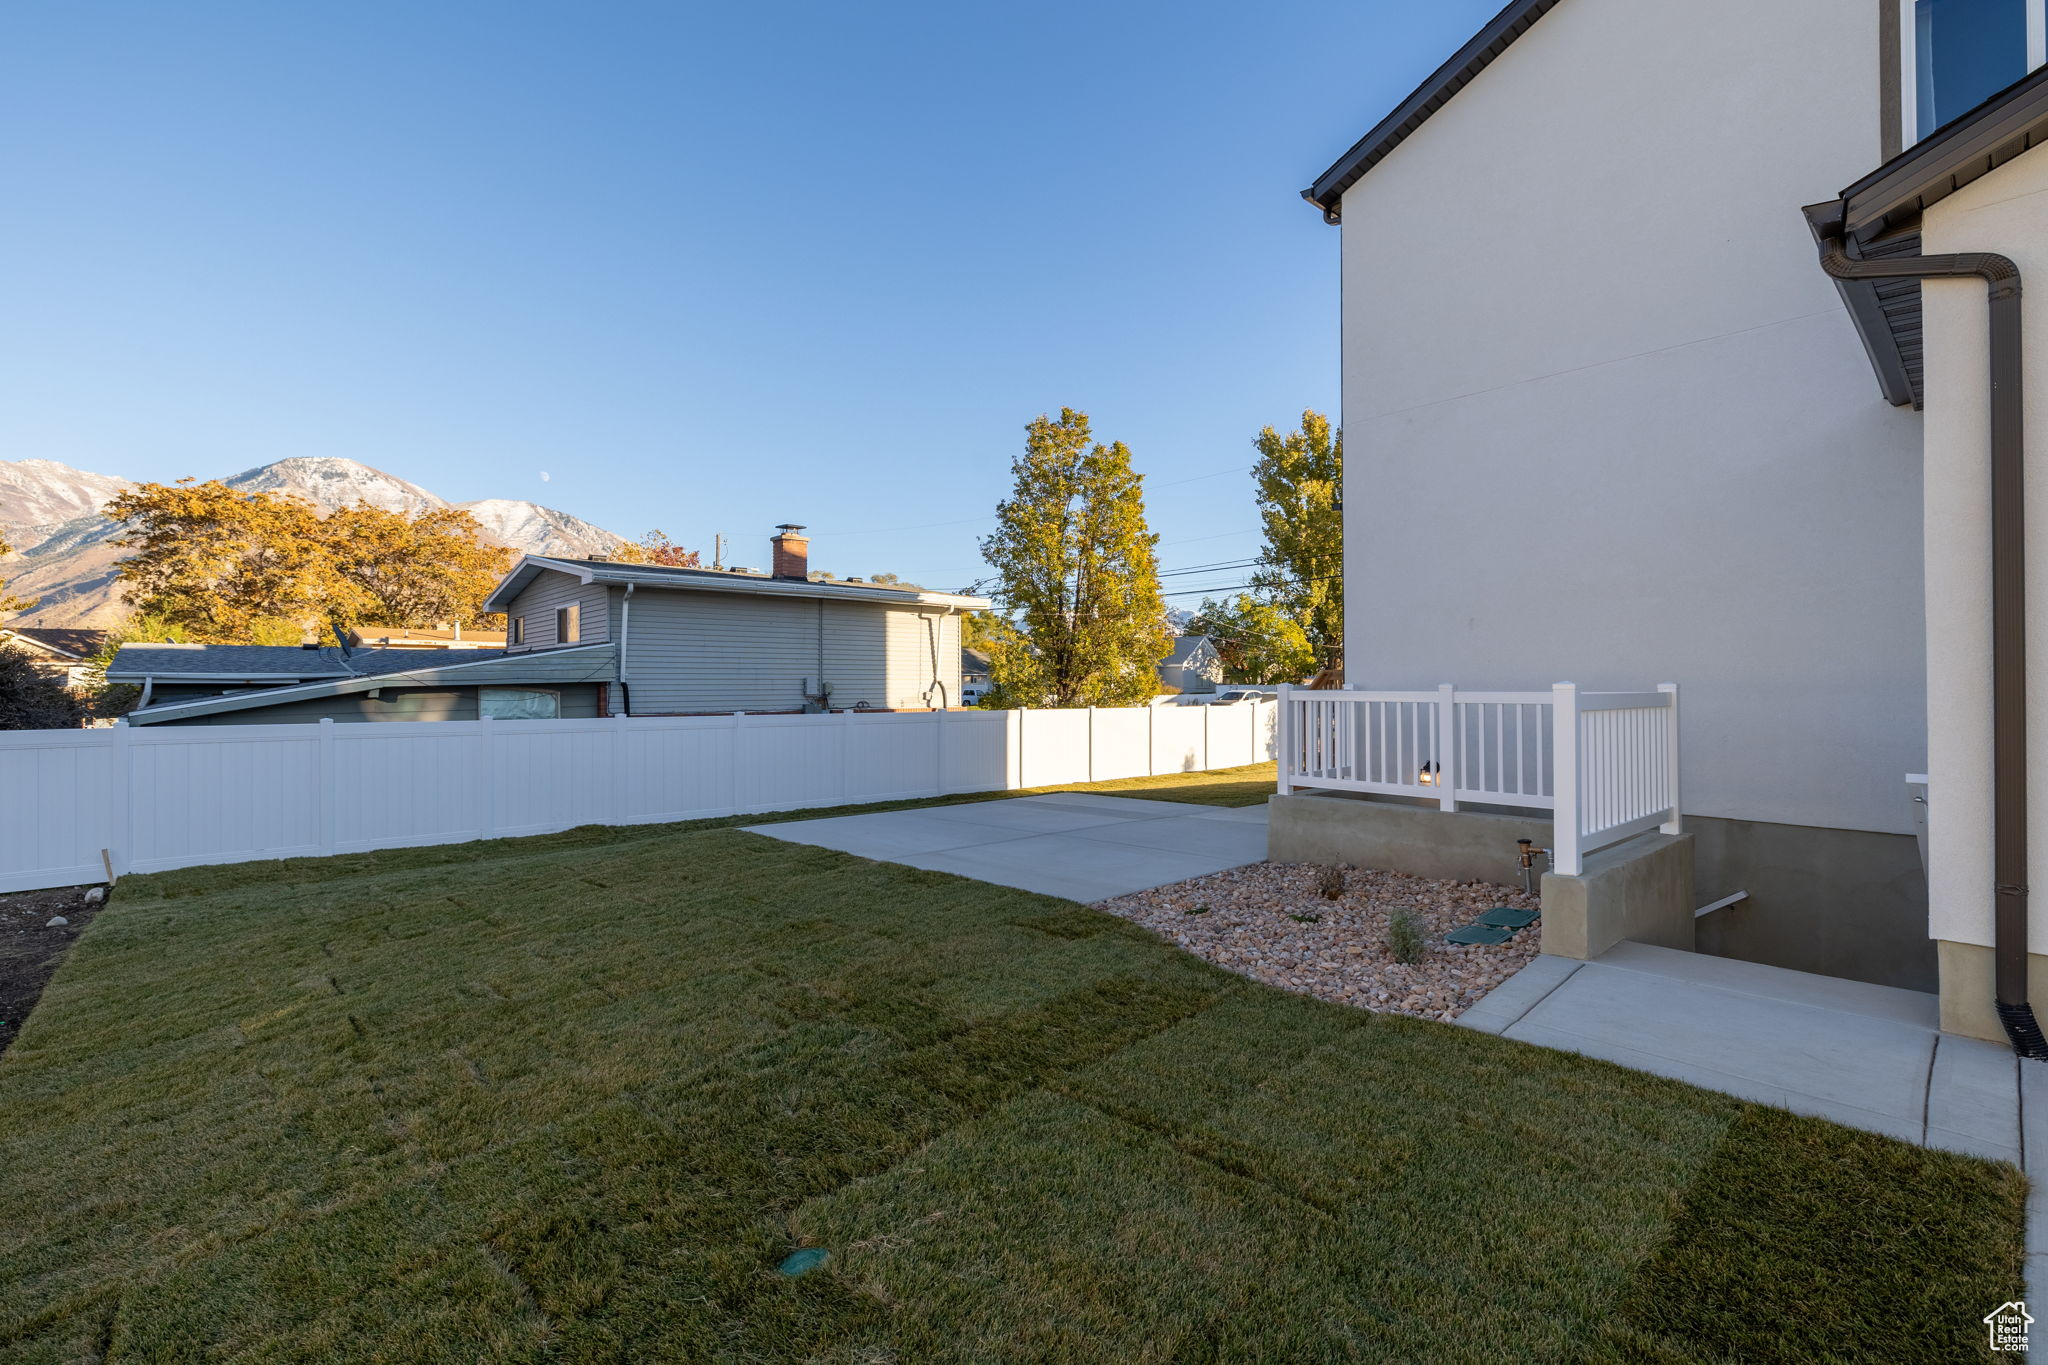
1405 939
1330 882
32 700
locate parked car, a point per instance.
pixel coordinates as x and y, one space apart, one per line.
1244 696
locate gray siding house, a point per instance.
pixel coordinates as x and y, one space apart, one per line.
1193 666
708 641
273 685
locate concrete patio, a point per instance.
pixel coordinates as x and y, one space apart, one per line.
1869 1057
1073 844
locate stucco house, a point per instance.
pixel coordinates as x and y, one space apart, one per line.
1670 323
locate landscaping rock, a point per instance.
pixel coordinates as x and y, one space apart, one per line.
96 895
56 922
1270 922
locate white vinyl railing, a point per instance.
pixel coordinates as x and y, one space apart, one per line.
77 805
1604 763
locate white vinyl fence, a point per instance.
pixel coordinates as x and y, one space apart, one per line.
145 799
1617 777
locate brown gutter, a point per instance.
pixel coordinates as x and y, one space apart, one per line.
2008 594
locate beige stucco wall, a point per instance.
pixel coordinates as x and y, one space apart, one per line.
1605 419
2006 212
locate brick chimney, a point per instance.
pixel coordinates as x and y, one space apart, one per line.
792 553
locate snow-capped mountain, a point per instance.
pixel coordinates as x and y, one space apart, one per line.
65 552
39 496
539 530
330 483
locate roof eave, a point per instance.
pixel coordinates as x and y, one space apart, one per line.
1327 193
335 687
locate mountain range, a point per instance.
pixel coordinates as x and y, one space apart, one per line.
64 550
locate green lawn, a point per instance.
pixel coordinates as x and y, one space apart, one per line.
573 1098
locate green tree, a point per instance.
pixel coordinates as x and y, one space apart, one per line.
1259 641
33 700
1084 623
1300 479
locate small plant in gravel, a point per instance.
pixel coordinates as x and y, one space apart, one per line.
1201 909
1405 938
1306 919
1330 882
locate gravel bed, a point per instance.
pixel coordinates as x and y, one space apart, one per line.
1270 922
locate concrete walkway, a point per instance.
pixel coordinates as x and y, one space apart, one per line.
1073 844
1869 1057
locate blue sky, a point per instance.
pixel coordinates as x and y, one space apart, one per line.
710 268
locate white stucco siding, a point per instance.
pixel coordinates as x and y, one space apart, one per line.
2006 212
1608 422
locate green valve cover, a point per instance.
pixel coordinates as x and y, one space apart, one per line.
1505 917
1478 933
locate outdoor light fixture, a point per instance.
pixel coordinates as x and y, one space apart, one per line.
1429 772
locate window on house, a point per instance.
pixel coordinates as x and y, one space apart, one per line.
517 636
518 703
568 625
1958 53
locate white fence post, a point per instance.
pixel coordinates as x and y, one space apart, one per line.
487 786
327 784
121 769
1091 744
1286 728
619 796
939 753
845 728
1564 757
1446 747
1676 824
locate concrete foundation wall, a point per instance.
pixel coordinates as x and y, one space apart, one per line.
1846 903
1640 890
1467 846
1840 902
1967 993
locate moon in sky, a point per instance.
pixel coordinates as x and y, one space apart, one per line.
543 476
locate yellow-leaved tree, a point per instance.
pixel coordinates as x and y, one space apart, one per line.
1082 622
223 566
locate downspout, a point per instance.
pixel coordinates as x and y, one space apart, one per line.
2008 599
625 638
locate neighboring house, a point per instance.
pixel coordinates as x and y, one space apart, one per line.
1593 360
425 637
1193 665
60 652
279 684
709 641
975 679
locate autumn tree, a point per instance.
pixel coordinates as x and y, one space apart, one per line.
399 570
1258 641
226 566
10 604
656 548
1083 621
1300 481
213 561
